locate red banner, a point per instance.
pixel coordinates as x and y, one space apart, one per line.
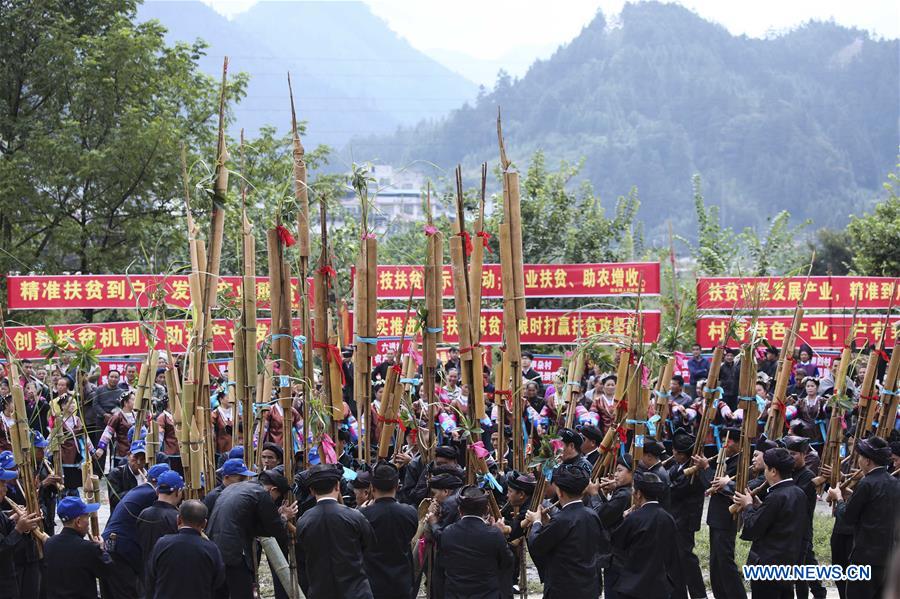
101 292
825 331
541 327
541 280
125 338
782 293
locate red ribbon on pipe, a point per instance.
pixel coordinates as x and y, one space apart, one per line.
333 352
485 237
285 236
467 240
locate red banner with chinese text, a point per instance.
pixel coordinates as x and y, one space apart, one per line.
819 331
126 338
102 292
541 327
541 280
782 293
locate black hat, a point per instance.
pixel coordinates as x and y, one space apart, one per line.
346 352
324 473
160 371
445 481
593 433
654 447
733 433
895 448
626 460
276 449
649 484
274 478
682 440
453 469
385 476
570 478
363 480
473 499
447 452
876 449
567 435
795 443
778 458
731 350
764 445
521 482
528 354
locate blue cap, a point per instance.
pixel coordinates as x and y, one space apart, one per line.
70 508
155 471
169 482
38 440
131 433
7 460
236 452
236 466
139 447
8 474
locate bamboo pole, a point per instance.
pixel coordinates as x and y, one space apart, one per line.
748 401
393 391
23 450
830 457
890 395
434 308
301 198
775 418
664 396
576 369
325 341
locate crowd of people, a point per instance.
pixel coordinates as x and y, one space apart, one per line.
424 517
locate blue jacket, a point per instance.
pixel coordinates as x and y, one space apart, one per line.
123 522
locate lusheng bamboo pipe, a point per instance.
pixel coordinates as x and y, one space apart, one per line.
775 416
393 391
831 450
38 533
434 306
747 385
663 396
575 370
735 509
890 396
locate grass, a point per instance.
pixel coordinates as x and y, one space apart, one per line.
822 525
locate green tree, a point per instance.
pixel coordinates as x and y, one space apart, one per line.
93 112
875 238
715 250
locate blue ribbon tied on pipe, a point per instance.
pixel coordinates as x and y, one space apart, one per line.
297 343
650 423
489 479
662 394
760 402
434 329
718 391
413 382
369 340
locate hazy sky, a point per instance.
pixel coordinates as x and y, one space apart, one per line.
476 37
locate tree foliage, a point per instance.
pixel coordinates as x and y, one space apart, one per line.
93 111
875 238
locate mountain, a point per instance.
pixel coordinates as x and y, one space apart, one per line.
352 74
806 121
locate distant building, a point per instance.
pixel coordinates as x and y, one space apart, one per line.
398 200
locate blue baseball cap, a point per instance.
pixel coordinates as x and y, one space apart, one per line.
7 460
236 466
156 471
70 508
38 440
236 452
139 447
6 475
169 482
131 433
